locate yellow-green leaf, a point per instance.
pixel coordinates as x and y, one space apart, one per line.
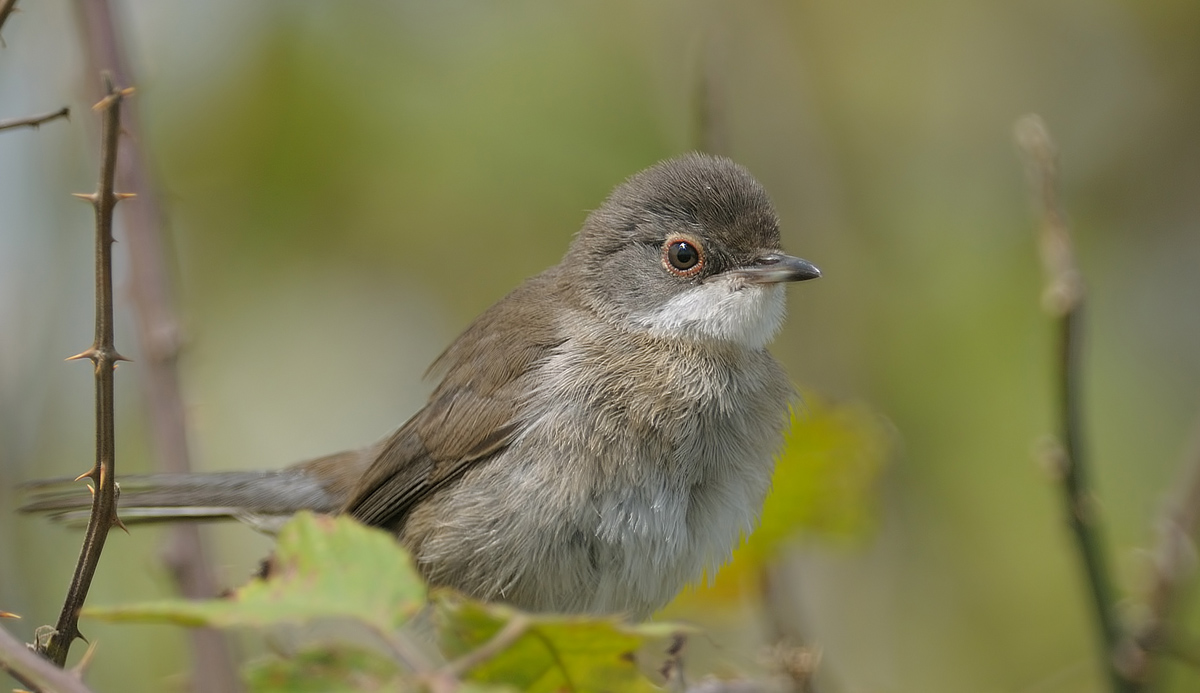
824 485
334 669
551 653
323 567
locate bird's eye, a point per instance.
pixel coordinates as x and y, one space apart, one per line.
682 257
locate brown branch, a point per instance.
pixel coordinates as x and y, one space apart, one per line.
35 121
1064 301
1173 564
710 122
33 670
104 356
159 342
6 8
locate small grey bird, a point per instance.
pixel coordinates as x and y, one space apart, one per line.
598 438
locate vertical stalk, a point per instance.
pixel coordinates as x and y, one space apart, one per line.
104 357
1064 301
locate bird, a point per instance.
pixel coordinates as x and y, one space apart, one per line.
596 440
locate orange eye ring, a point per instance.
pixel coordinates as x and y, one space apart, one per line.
683 256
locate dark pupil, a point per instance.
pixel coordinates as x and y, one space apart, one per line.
683 256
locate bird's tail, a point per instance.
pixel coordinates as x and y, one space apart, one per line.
264 500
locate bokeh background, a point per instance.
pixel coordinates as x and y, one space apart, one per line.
348 184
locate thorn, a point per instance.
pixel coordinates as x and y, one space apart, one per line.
114 96
85 661
90 197
8 614
117 357
91 489
89 353
116 520
124 196
85 475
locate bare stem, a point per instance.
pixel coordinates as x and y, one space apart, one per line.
1064 300
1173 564
104 356
34 121
405 651
6 8
33 671
710 124
159 341
501 641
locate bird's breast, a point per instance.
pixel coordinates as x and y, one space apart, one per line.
665 453
639 465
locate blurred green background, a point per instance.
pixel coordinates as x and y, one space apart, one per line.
348 184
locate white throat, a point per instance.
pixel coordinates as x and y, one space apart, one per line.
724 309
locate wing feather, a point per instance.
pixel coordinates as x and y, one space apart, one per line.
475 412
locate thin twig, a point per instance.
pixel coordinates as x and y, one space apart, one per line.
33 670
1064 300
35 121
6 8
710 124
405 651
159 342
790 655
501 641
104 356
1174 561
448 678
672 670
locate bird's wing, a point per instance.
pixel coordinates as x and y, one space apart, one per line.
474 413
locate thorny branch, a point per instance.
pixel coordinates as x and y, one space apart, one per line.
35 121
33 671
104 356
1064 300
159 342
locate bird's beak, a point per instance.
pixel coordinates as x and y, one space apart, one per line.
774 268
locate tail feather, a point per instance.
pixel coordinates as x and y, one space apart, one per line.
262 499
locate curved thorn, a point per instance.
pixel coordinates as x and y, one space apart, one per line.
86 660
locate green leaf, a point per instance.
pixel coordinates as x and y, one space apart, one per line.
552 653
332 669
323 567
825 478
824 485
